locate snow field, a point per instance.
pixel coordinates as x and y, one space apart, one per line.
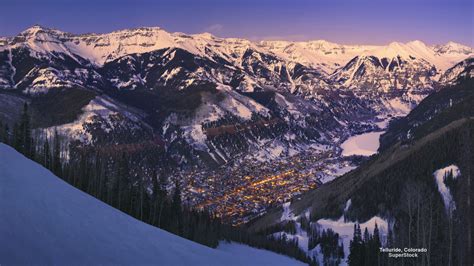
365 144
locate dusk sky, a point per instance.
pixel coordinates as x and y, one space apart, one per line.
343 21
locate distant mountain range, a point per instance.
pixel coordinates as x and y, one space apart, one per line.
210 100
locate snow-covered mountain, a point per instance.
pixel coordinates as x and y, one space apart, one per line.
411 66
250 66
331 56
102 48
463 69
47 221
284 58
217 98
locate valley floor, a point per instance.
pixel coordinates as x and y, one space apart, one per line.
243 191
240 192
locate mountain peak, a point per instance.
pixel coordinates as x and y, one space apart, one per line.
417 43
396 45
40 32
35 29
38 26
322 42
451 43
205 35
453 48
134 30
151 28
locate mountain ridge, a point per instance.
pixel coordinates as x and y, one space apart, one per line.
394 48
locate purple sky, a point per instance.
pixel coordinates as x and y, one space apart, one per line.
344 21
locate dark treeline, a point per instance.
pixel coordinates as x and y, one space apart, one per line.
364 249
146 195
331 248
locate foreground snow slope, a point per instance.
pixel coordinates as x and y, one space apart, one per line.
46 221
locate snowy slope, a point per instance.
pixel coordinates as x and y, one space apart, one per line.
46 221
444 190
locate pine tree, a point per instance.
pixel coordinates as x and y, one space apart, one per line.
341 250
83 172
374 246
356 248
46 156
366 235
6 134
162 198
154 205
17 139
141 200
25 140
123 183
176 209
376 236
2 132
389 238
357 233
56 167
